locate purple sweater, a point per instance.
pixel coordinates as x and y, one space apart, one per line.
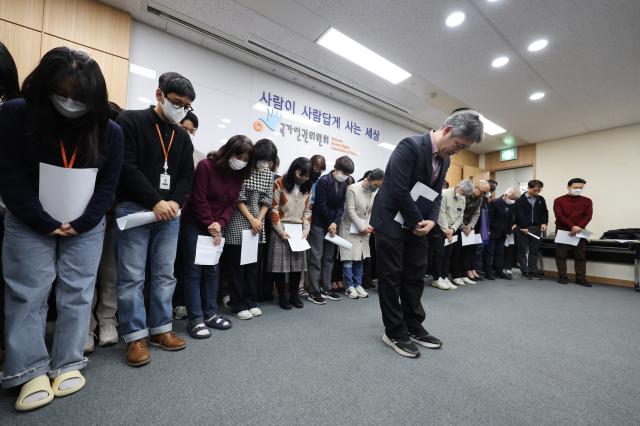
213 196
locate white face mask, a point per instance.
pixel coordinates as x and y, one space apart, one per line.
340 177
172 114
68 107
262 165
236 164
576 192
509 201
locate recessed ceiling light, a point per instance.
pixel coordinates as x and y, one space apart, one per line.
226 120
536 96
490 127
222 126
492 1
353 51
500 61
455 19
538 45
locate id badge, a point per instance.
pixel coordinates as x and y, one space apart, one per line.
165 181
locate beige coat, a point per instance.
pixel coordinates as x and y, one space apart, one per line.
357 210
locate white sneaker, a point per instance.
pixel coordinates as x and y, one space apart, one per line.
452 286
351 293
108 335
225 300
468 281
361 291
244 315
89 344
256 312
440 283
459 281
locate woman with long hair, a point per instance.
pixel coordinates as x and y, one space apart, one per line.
207 212
61 123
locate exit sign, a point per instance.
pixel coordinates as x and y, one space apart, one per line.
509 154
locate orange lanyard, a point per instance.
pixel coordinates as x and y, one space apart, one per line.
68 165
165 150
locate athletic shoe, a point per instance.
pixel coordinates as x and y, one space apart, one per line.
508 272
452 286
459 281
405 348
361 291
302 292
440 283
426 340
316 298
468 281
351 293
180 312
244 315
537 275
331 295
108 335
527 276
256 312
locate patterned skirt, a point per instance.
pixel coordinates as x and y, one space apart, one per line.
282 259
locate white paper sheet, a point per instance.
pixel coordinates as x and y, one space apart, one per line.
249 250
471 239
65 193
138 219
584 234
418 190
563 237
296 242
399 219
533 236
206 252
353 229
339 241
454 239
510 240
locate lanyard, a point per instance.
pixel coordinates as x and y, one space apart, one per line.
165 150
68 165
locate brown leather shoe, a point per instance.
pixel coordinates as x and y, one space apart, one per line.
138 353
168 341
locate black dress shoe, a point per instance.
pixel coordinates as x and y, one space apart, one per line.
562 279
583 282
490 276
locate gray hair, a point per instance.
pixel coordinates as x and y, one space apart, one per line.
466 186
465 124
512 190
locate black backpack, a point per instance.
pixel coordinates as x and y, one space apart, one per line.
622 234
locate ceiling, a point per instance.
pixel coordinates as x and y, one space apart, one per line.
590 70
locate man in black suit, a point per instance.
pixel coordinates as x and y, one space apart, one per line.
402 249
500 225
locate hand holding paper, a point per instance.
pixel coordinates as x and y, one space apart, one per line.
296 239
339 241
138 219
565 237
207 253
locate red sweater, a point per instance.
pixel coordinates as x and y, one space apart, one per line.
572 211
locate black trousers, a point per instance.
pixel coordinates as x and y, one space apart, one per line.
509 256
1 283
495 255
444 260
401 266
243 279
528 250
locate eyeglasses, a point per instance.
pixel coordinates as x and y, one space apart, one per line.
179 105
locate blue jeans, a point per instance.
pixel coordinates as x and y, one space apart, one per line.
159 240
352 271
197 277
31 262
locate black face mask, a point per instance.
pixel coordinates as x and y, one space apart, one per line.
300 182
314 176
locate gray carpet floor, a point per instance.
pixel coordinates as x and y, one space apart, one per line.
516 353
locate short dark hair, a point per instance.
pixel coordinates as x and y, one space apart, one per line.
375 174
289 179
492 184
318 160
265 150
535 183
172 82
192 118
236 145
576 180
345 165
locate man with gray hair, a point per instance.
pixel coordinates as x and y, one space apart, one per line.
449 226
402 248
501 222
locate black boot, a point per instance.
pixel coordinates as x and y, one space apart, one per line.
282 296
294 298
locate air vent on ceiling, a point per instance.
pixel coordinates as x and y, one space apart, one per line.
272 57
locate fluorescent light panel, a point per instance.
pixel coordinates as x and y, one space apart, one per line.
350 49
490 127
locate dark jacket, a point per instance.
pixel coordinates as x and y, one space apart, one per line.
144 159
328 204
409 163
500 218
525 216
20 158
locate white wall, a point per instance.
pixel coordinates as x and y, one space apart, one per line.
513 177
227 89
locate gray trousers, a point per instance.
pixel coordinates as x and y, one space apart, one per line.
320 259
105 296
